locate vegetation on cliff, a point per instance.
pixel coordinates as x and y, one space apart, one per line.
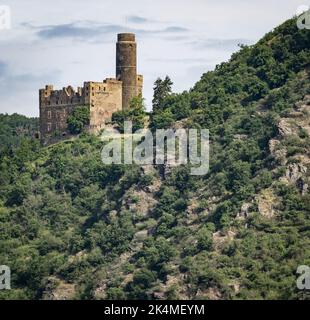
72 227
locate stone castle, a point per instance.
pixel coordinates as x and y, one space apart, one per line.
102 98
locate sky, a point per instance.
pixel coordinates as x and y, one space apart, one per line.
67 42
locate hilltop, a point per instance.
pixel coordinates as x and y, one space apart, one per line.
73 228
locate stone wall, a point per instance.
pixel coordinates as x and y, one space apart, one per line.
102 98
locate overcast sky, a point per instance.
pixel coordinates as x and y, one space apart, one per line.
67 42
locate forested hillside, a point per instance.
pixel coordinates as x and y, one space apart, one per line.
74 228
14 129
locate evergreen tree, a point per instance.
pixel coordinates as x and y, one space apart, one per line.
162 89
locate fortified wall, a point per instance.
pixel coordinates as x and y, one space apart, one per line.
102 98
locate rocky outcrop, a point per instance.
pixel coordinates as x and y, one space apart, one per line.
139 202
244 211
296 119
220 238
295 172
57 289
267 202
295 125
278 151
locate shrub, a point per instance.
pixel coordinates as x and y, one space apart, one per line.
78 119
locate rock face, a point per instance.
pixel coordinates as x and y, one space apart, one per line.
278 151
211 293
141 235
266 202
285 128
296 125
296 119
221 238
302 186
244 211
295 172
57 289
139 202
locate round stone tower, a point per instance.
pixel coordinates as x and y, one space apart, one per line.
126 66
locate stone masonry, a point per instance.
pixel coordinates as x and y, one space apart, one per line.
102 98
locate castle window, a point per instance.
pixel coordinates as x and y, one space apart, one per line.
93 94
49 127
49 114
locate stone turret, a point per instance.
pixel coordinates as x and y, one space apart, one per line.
101 98
126 66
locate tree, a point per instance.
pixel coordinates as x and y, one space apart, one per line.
162 89
135 113
204 239
78 119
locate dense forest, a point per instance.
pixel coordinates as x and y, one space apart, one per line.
74 228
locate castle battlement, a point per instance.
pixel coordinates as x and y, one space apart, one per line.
103 98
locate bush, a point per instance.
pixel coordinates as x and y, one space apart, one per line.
78 119
135 113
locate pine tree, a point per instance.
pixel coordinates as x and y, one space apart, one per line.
162 89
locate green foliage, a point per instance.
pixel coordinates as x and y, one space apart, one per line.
14 129
205 239
142 280
162 89
66 215
135 113
78 119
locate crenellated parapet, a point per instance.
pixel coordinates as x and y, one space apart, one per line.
102 98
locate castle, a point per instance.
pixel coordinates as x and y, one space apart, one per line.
102 98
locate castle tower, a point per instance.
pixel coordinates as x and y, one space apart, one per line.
126 66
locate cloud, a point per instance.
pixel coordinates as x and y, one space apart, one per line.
19 91
3 68
89 31
220 44
78 30
23 81
180 60
137 19
175 29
